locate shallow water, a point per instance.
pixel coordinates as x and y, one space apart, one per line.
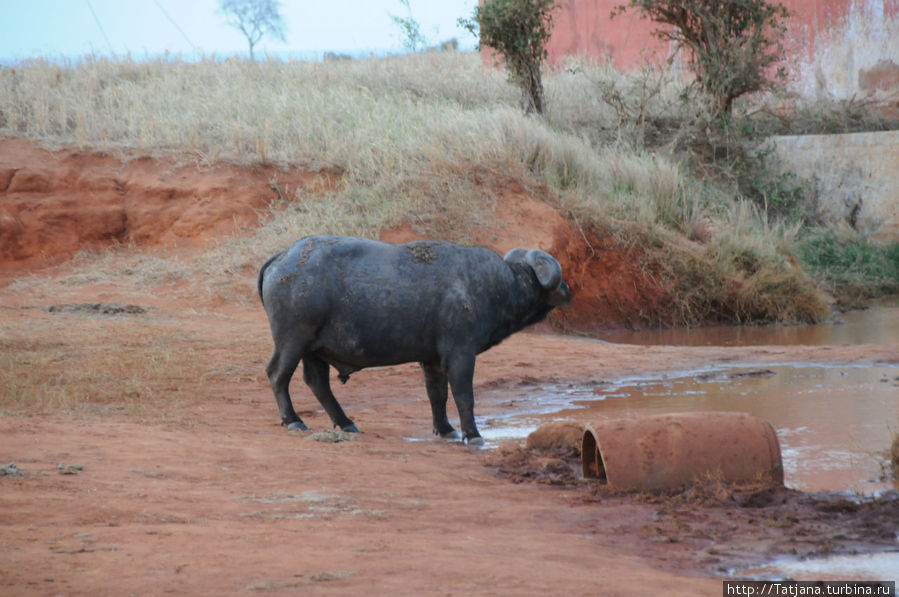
834 423
877 325
862 567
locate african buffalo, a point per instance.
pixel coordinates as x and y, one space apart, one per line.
354 303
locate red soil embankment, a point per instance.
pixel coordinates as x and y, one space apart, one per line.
57 203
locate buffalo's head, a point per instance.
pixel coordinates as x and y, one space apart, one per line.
547 271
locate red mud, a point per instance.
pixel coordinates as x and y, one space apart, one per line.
214 498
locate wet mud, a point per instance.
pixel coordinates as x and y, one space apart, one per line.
720 528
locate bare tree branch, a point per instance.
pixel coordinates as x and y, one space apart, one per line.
255 19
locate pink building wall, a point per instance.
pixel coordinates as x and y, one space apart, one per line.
834 45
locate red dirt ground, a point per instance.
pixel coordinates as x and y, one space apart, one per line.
214 498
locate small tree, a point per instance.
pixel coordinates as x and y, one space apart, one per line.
413 39
518 30
731 44
255 19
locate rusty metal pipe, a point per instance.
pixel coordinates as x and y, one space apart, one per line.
667 451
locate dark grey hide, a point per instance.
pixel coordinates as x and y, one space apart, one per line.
353 303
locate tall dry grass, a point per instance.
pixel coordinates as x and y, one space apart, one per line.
409 134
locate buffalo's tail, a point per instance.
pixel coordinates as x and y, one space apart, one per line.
261 276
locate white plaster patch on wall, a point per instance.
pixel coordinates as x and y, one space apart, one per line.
866 38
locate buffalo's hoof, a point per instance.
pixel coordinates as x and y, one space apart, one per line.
351 428
450 435
297 426
475 441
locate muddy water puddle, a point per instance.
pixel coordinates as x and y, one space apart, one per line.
834 423
876 325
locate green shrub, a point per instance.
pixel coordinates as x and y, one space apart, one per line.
731 45
518 30
850 266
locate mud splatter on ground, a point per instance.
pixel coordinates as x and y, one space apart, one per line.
710 525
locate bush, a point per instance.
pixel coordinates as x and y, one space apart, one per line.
731 45
732 151
518 30
850 266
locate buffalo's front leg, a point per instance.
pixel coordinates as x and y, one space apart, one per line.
436 383
460 371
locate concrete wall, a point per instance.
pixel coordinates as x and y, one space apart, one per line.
844 48
855 177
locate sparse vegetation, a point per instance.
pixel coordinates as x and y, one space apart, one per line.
136 379
412 37
121 366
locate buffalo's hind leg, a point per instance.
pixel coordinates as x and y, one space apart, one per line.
280 370
436 383
315 374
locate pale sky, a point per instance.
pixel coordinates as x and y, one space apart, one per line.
68 28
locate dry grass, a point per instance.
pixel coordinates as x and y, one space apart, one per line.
412 136
610 107
134 367
250 112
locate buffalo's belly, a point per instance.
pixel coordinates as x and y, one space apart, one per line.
346 365
349 356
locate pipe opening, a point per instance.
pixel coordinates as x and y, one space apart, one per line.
591 458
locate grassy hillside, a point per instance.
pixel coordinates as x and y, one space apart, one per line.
415 137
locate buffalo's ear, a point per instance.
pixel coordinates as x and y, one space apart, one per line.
547 269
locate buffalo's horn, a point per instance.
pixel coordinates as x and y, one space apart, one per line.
548 270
